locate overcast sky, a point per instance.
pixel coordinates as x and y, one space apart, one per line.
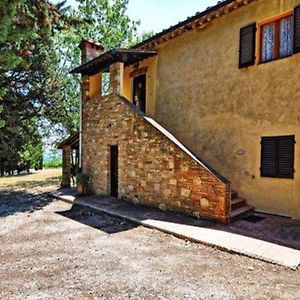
156 15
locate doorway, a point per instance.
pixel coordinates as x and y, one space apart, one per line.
139 92
114 174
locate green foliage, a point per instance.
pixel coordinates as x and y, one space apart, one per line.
32 154
52 164
82 178
26 86
2 122
138 39
104 21
38 47
21 148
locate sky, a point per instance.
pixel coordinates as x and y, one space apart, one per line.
156 15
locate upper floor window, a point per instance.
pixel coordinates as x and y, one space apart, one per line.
277 39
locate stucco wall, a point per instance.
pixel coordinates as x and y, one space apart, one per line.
152 169
95 83
221 112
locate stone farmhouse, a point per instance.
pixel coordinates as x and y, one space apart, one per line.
202 118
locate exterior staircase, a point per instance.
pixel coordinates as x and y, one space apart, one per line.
239 207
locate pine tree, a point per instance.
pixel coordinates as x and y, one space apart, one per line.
38 47
26 67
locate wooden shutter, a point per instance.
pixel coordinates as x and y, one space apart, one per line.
277 156
285 162
297 29
268 157
247 46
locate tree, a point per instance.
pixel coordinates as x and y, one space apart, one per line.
26 88
104 21
38 47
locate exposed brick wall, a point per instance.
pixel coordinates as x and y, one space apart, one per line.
152 169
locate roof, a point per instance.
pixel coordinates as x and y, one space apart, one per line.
102 62
142 50
199 20
72 141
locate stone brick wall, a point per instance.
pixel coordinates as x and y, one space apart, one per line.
153 170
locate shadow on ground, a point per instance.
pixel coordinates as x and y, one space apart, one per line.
20 201
97 220
17 175
275 229
34 183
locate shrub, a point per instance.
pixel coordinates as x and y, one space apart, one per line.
83 178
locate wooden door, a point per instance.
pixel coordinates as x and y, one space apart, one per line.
114 174
139 92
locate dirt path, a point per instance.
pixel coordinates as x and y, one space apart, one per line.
49 250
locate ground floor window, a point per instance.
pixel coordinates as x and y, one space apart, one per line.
277 156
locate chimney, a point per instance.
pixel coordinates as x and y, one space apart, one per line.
90 50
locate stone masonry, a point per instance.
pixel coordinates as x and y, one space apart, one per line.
153 169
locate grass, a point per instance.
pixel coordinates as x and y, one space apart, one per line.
52 164
35 178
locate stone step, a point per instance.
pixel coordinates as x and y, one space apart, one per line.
240 212
237 203
234 194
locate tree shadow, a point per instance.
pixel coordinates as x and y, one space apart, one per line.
98 220
35 183
17 175
274 229
12 202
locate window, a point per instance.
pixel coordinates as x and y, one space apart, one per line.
277 156
277 39
105 83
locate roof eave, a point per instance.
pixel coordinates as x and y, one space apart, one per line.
113 56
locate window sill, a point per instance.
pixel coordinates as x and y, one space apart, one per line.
276 177
275 59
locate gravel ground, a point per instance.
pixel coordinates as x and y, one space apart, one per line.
50 250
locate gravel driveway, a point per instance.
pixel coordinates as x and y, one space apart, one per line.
50 250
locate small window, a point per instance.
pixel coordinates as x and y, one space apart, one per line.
277 39
106 84
277 156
